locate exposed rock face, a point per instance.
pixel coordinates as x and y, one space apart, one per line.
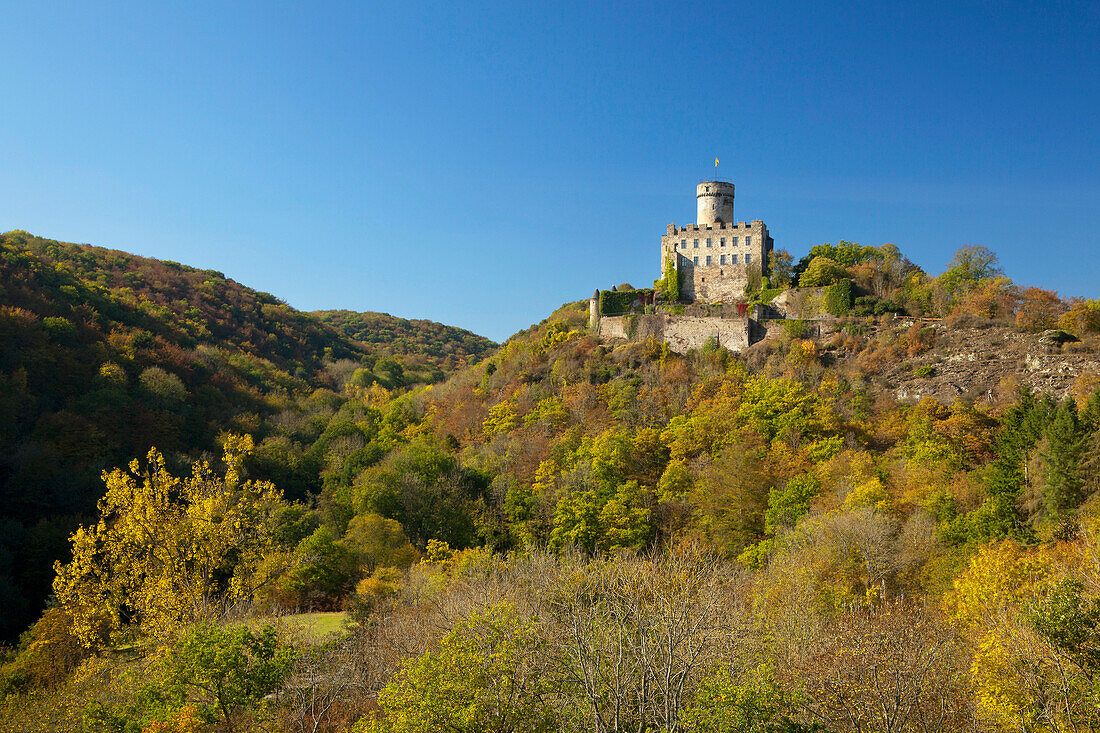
973 362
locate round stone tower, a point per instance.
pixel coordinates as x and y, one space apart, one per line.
715 200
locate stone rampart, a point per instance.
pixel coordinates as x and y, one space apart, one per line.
681 333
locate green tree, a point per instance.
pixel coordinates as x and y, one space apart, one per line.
789 504
485 677
967 268
1021 426
324 570
821 271
426 491
1070 622
1061 457
746 702
782 408
781 268
225 670
377 541
754 279
165 388
624 519
676 481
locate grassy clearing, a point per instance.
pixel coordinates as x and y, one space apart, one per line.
311 628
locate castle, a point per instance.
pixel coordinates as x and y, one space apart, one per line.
714 259
715 255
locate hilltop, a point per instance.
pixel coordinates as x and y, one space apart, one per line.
445 347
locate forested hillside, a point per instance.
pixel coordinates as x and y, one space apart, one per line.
576 535
444 346
103 354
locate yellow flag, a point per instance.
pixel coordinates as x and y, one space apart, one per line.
716 162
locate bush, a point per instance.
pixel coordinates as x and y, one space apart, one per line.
924 371
767 295
887 306
795 328
838 297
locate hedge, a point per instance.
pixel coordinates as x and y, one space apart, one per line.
617 302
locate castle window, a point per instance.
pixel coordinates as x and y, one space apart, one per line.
708 241
722 242
748 258
695 260
748 241
696 244
733 259
708 259
722 260
733 241
683 243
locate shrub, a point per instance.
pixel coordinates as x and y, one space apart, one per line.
767 295
795 328
838 297
924 371
887 306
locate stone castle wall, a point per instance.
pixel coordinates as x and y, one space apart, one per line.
681 333
718 272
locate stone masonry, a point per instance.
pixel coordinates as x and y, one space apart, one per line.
681 333
716 254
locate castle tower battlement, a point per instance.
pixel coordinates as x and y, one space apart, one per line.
714 201
716 256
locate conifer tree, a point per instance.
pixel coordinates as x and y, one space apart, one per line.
1063 481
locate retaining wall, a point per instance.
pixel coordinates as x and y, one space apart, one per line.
681 333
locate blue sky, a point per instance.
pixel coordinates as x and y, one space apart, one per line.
481 163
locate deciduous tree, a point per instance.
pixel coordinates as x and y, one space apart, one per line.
169 551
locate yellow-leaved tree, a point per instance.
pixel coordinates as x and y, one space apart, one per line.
989 605
168 551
